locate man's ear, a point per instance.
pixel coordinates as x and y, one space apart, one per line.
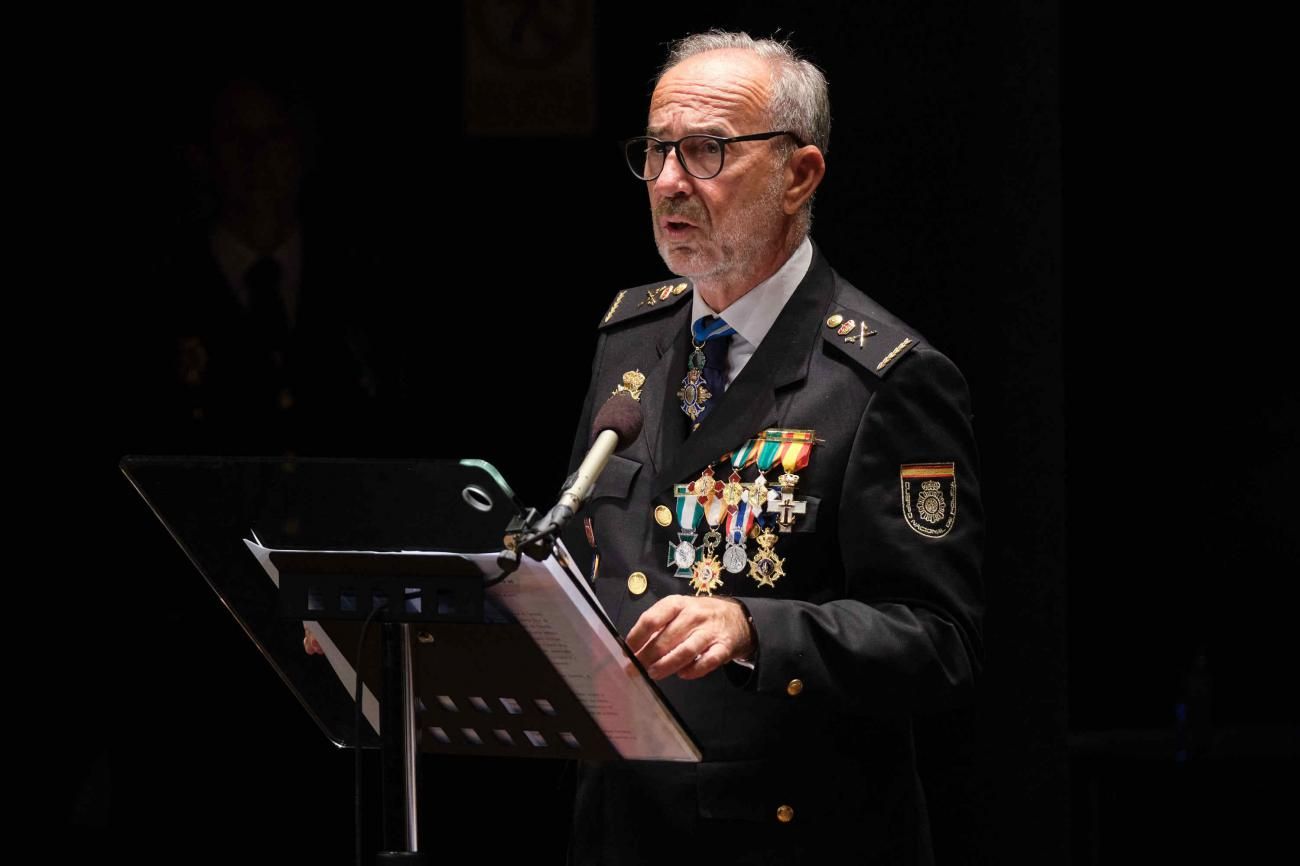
804 171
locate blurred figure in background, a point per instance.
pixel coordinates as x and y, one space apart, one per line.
258 343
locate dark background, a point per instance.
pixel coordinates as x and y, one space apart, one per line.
1138 436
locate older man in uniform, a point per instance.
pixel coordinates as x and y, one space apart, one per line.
792 548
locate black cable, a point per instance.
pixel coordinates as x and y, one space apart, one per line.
494 581
522 543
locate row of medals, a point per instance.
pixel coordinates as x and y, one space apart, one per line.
765 567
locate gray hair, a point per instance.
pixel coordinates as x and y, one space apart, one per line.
800 96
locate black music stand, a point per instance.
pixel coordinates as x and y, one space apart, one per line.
339 539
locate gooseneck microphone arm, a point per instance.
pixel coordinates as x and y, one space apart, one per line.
617 425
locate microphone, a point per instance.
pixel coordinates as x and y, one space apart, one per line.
617 425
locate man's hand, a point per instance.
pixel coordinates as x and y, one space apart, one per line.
691 636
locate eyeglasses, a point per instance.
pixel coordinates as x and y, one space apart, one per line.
700 155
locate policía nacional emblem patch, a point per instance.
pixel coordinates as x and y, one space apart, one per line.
929 497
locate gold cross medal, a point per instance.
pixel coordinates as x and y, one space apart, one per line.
701 498
710 492
765 566
707 575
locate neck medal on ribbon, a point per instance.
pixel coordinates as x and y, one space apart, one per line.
694 393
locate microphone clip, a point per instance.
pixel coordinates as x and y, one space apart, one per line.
529 532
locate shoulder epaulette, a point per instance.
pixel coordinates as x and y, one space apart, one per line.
630 303
871 342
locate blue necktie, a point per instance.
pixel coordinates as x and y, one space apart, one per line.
706 374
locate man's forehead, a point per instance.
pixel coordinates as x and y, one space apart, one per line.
715 89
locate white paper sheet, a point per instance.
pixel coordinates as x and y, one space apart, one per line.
560 615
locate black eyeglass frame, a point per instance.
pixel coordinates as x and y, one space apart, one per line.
677 146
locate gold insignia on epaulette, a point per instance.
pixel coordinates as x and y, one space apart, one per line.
632 382
894 353
864 332
662 293
834 321
929 497
618 299
847 327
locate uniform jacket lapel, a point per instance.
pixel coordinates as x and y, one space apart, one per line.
749 404
660 391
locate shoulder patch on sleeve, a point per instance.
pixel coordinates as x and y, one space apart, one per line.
871 343
929 497
630 303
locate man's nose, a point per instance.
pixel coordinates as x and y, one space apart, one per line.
673 180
